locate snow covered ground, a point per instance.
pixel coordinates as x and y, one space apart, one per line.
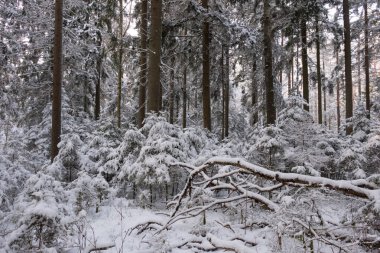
224 231
113 224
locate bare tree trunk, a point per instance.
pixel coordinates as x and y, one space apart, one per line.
268 61
171 96
324 98
85 89
223 90
143 62
120 62
337 93
297 70
366 61
206 72
347 62
290 71
359 74
305 71
227 93
184 95
154 84
282 46
97 87
255 117
57 81
319 79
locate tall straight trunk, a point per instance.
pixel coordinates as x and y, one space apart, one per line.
290 71
171 95
227 93
305 73
268 62
337 93
57 81
324 98
319 79
184 95
282 46
206 71
85 98
99 76
120 62
347 62
154 84
255 116
143 62
359 74
97 87
223 90
366 60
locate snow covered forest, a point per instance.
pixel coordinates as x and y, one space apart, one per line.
190 126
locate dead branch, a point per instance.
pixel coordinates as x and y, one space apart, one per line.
311 181
141 227
99 248
229 245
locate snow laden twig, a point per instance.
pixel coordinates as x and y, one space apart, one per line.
99 247
345 186
146 225
317 236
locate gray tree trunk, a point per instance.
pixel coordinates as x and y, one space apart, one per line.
268 63
143 62
57 81
154 77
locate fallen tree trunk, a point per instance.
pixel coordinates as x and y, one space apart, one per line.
344 186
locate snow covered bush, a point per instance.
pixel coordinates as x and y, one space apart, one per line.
350 160
360 123
12 179
372 152
164 145
88 193
68 162
268 148
40 210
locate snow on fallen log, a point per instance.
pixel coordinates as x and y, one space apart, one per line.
346 186
99 247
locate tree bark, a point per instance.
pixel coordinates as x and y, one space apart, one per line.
206 71
184 95
99 77
57 81
154 76
305 71
120 69
227 92
319 79
223 90
268 62
143 62
366 60
171 96
359 73
290 71
255 117
347 62
337 92
97 87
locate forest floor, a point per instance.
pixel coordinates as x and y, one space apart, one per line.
113 226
